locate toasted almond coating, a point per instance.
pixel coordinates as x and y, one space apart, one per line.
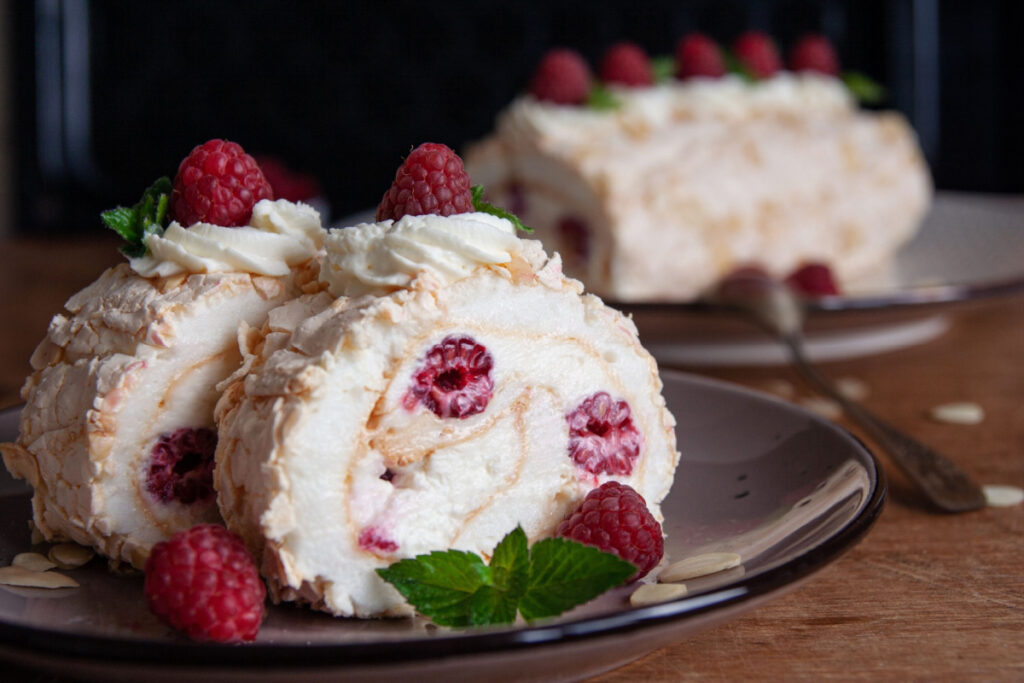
19 576
70 555
699 565
34 562
653 593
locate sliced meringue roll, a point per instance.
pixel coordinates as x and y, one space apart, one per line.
117 434
451 384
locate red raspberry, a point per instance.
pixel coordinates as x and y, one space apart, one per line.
431 181
295 186
602 438
202 581
615 518
814 52
181 466
454 380
626 64
813 279
218 183
698 55
561 77
758 53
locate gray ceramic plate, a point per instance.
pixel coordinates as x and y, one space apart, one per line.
785 489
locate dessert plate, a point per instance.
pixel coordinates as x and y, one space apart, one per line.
787 491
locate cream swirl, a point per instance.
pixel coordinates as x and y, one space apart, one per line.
379 258
280 235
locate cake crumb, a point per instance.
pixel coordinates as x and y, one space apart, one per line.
998 496
962 412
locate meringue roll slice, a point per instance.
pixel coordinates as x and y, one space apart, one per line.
451 384
117 435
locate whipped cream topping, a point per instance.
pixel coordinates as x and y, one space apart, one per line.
729 97
380 258
281 234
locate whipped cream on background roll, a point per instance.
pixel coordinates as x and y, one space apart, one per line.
280 235
379 258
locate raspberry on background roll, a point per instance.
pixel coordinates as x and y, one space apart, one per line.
117 433
451 384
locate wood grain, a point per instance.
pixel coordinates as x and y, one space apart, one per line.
926 596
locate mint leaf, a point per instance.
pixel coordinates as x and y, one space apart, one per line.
663 68
480 205
456 588
734 66
602 98
565 573
147 217
863 87
442 585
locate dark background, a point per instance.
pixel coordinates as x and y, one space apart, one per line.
109 95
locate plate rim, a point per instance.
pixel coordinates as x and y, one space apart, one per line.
172 655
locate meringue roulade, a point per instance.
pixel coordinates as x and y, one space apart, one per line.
662 197
451 384
117 434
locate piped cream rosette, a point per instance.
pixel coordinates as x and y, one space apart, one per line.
117 433
452 384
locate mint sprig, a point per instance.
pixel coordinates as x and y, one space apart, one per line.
147 216
480 205
663 68
602 98
863 87
456 588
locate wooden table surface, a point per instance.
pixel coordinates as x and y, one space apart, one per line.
926 596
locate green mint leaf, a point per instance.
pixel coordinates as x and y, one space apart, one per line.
480 205
148 216
863 87
734 66
442 585
565 573
490 605
602 99
663 68
510 564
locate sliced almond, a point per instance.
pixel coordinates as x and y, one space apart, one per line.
961 413
70 555
699 565
37 535
780 387
1002 496
34 562
653 593
852 388
825 407
19 576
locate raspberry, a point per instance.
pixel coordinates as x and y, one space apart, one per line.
602 438
758 53
626 64
295 186
181 466
454 380
576 235
432 180
561 77
813 279
202 581
698 55
814 52
615 518
218 183
373 540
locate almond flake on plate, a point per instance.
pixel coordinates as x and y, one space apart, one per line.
70 555
698 565
1002 496
825 407
19 576
653 593
852 388
961 413
34 562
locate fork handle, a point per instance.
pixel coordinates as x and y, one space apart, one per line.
945 484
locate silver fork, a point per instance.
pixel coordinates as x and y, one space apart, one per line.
778 310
